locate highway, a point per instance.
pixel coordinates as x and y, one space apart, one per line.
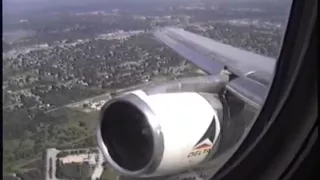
105 96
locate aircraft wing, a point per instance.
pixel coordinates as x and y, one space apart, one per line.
255 71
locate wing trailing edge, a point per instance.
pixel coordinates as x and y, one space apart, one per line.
255 71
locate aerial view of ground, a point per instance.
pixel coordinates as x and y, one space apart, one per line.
61 63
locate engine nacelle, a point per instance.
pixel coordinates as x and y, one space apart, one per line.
156 134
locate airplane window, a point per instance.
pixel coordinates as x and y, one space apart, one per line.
64 60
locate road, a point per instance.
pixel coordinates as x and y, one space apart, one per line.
105 96
99 168
51 153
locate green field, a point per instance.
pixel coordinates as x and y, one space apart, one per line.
64 128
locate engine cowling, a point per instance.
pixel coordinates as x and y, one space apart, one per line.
145 134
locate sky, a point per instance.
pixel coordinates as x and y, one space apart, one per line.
14 5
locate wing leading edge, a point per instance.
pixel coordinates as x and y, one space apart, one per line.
255 71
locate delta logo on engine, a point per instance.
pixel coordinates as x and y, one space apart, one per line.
201 148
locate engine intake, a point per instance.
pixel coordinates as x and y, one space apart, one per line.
128 135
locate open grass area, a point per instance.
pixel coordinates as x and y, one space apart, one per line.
109 174
64 128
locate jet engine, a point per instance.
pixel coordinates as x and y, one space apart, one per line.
162 129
